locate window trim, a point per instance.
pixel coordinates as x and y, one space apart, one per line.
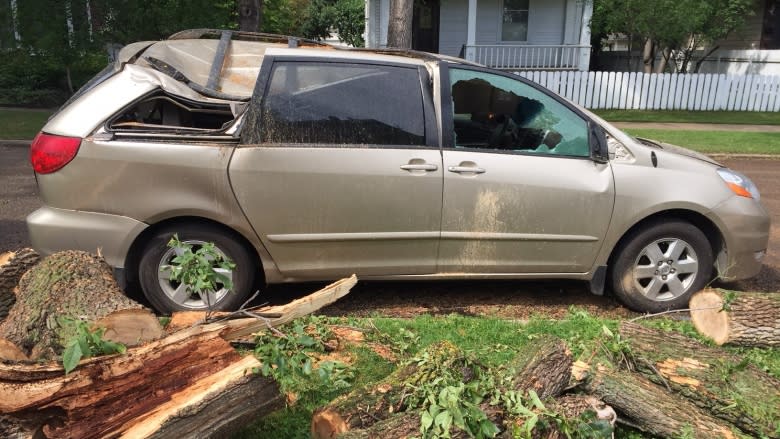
501 25
254 112
448 125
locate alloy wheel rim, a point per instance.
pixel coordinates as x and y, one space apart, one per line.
665 269
180 293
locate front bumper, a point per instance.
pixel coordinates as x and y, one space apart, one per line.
52 230
744 224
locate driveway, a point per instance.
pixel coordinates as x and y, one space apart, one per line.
509 299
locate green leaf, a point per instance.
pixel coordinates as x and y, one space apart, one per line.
535 400
443 420
71 356
606 331
426 420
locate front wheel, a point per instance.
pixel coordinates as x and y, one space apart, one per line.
660 266
167 296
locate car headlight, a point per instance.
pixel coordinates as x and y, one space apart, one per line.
739 184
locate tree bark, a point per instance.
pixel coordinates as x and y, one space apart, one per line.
648 56
183 385
250 15
725 385
399 26
749 319
12 266
652 408
71 285
543 365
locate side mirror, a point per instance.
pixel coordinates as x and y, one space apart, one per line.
599 151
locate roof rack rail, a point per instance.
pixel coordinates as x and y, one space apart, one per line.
194 34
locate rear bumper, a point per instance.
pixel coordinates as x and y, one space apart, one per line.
52 230
745 227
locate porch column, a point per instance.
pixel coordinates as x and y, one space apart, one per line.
471 31
587 15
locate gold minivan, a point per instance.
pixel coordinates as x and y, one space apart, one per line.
302 161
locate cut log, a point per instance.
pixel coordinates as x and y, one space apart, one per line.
748 319
543 366
723 384
652 408
11 352
131 327
183 385
12 266
67 285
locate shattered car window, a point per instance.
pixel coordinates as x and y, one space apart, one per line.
500 113
343 104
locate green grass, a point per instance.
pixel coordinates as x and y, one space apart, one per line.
732 142
682 116
21 124
492 340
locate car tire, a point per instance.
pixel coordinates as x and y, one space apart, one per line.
167 296
659 266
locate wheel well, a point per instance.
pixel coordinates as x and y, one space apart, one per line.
710 230
136 249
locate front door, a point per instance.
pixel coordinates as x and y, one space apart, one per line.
425 26
521 194
339 171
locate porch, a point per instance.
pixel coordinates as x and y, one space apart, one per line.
529 57
504 34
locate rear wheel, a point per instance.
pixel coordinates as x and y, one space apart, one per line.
660 266
167 295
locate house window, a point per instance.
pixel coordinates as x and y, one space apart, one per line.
514 23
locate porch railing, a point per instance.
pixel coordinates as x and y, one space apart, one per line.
529 57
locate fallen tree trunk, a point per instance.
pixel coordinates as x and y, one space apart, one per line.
652 408
745 319
725 385
543 366
62 289
12 266
189 383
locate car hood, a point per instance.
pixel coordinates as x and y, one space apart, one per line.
679 150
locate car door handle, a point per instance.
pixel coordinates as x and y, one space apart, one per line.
419 167
466 170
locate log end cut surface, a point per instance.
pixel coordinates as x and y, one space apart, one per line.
707 317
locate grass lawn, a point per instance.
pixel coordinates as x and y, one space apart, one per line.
682 116
21 124
715 141
492 341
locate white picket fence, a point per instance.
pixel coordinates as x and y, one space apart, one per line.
663 91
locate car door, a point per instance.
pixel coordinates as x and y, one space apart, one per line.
521 193
339 169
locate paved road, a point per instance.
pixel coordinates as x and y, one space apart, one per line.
18 197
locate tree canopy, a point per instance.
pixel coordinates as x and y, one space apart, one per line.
675 28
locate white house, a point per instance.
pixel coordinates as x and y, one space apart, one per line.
506 34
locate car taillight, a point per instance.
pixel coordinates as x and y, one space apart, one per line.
49 153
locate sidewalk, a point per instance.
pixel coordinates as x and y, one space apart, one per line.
673 126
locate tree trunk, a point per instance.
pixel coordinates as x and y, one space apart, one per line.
190 383
12 266
725 385
749 319
652 408
144 390
250 15
543 365
648 56
71 285
399 26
